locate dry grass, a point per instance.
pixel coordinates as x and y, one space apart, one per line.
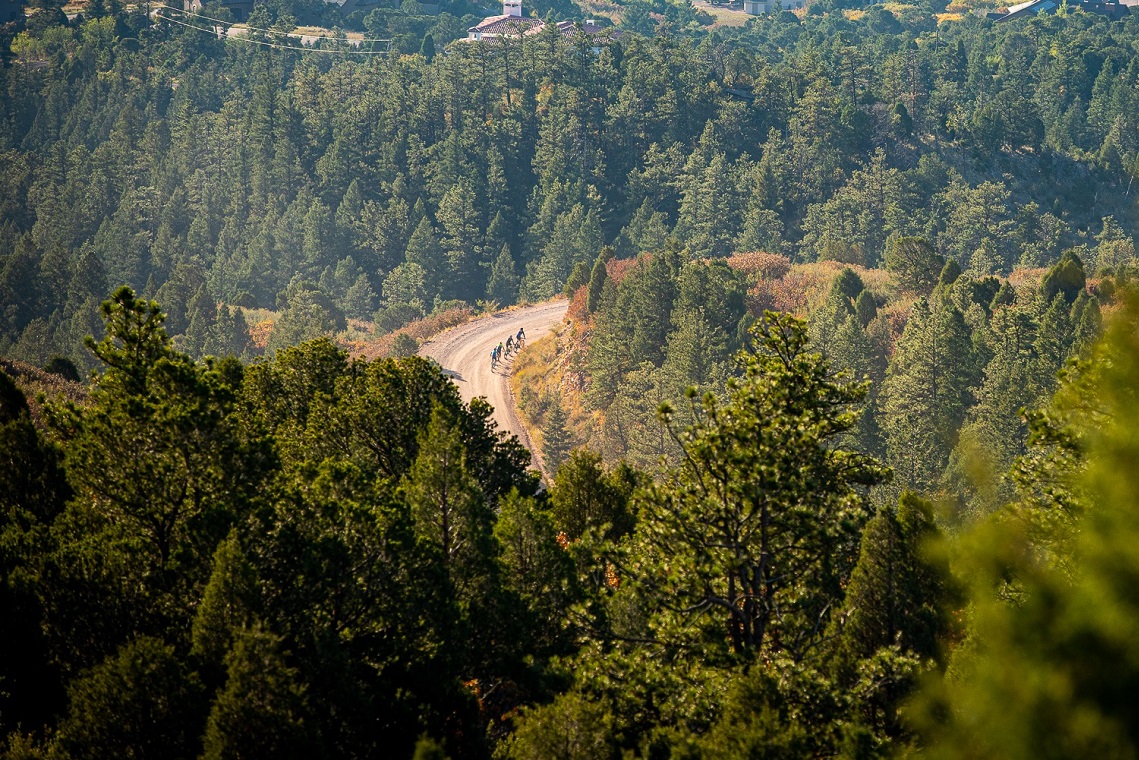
549 367
723 16
617 269
577 308
421 330
805 286
1026 278
759 265
33 381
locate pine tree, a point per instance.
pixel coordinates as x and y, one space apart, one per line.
597 278
503 283
461 241
446 505
577 279
202 317
995 429
261 711
865 308
423 250
535 567
1045 670
584 496
1053 343
1066 277
761 514
646 231
645 303
557 441
895 604
927 393
697 353
915 263
427 48
229 603
852 349
140 702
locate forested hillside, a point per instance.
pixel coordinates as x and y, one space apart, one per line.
952 358
840 425
244 185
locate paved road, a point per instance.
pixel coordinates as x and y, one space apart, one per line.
464 353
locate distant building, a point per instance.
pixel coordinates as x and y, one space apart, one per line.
511 23
1113 9
759 7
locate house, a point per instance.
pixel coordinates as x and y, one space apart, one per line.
511 23
1113 9
759 7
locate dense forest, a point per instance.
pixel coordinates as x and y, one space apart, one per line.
315 556
258 190
951 358
839 428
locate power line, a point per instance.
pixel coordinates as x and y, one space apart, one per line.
246 38
254 28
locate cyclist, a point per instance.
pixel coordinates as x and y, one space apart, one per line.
509 344
520 339
493 357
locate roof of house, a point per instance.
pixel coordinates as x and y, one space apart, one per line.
1110 8
506 24
570 28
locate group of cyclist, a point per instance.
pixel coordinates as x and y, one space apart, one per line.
513 343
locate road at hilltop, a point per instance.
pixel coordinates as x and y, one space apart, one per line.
464 353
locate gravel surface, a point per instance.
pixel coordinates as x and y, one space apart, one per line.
464 353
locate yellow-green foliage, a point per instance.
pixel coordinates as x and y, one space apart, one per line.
1051 664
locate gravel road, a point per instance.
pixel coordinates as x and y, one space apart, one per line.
464 353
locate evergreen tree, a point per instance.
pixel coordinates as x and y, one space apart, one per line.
140 703
584 496
424 251
915 263
503 283
427 48
927 393
897 595
761 459
229 603
1066 277
447 507
202 315
597 278
865 308
557 441
261 710
895 605
1044 669
577 279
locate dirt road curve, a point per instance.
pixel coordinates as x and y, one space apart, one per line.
464 353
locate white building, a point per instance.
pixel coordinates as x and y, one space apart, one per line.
511 23
759 7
